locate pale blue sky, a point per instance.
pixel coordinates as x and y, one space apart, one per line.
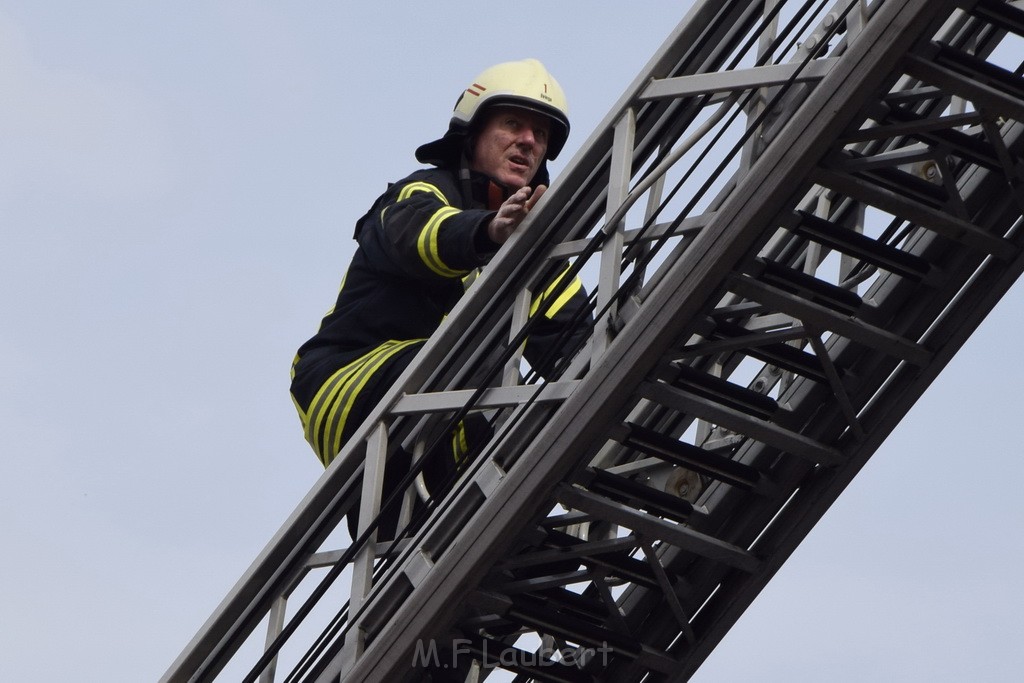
178 183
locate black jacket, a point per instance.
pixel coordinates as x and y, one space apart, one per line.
417 244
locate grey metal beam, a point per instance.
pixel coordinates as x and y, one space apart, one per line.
738 80
495 397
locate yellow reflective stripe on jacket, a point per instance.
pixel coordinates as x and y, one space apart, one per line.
332 404
561 300
412 188
427 243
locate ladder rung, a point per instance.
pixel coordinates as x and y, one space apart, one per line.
972 148
494 397
987 85
779 354
565 554
533 611
861 246
538 578
568 602
1002 14
616 557
808 287
725 392
557 546
638 495
907 184
826 319
896 120
571 616
692 457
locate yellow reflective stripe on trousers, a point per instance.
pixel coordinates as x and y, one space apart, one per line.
427 243
334 421
326 397
331 406
562 298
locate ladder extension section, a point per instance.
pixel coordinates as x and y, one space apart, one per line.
788 225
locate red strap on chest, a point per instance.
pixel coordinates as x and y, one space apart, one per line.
495 196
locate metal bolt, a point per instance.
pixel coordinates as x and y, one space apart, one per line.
684 483
930 171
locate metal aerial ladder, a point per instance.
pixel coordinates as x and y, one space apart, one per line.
788 225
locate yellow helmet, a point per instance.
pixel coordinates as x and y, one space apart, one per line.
526 84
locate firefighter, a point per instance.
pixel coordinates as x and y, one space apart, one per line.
418 243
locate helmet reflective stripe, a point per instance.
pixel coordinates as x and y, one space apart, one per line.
525 84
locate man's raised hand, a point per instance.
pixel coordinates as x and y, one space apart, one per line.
512 212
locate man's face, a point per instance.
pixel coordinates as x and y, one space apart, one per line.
511 145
